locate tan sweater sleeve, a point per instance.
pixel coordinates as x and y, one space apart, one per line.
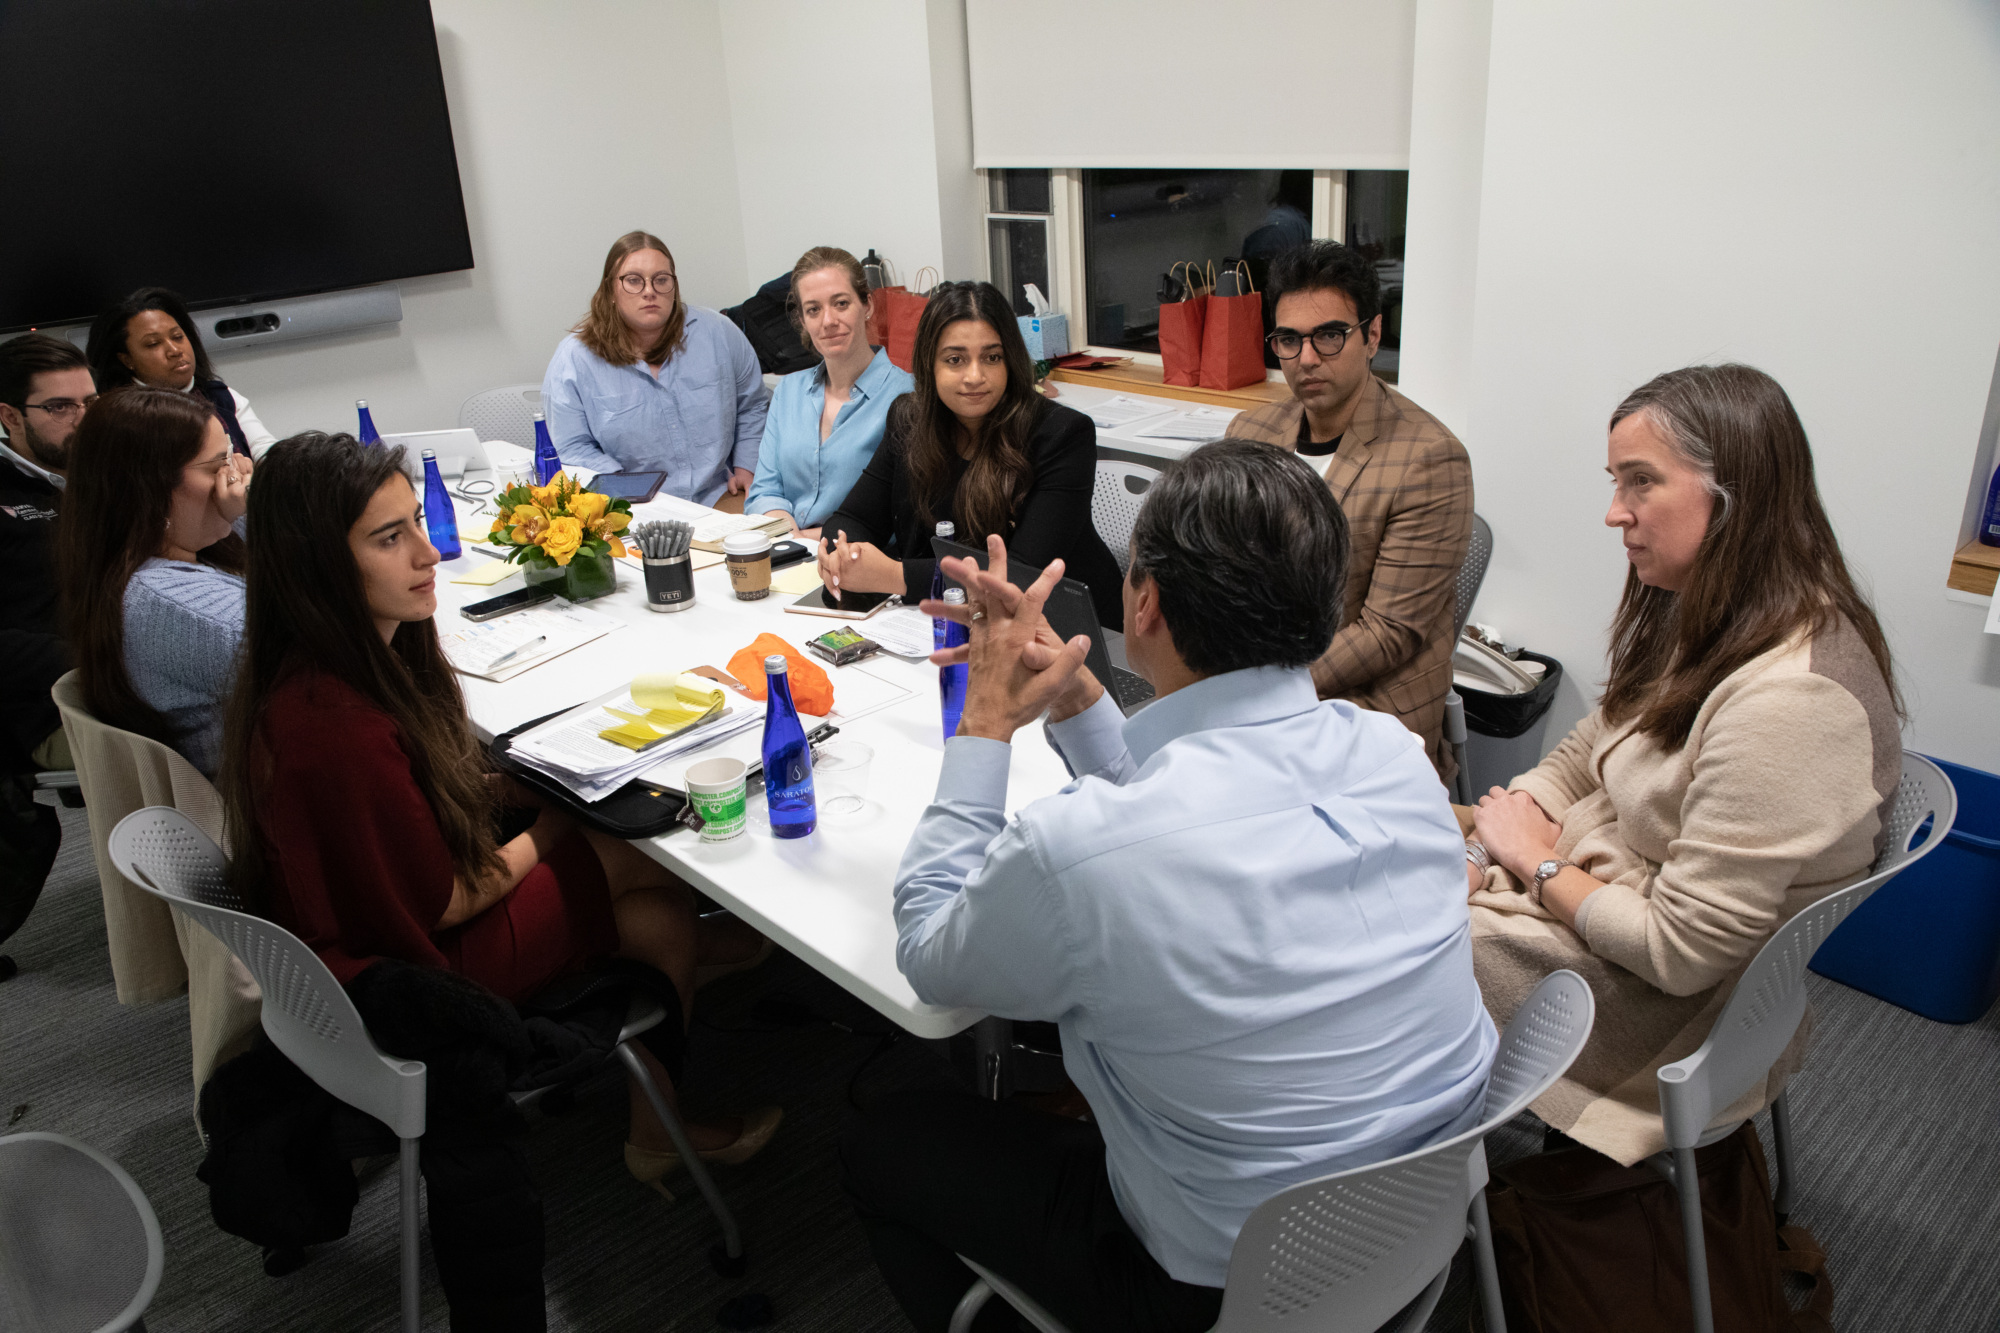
1785 769
1566 776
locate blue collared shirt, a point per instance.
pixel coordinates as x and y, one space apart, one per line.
808 477
701 416
1248 916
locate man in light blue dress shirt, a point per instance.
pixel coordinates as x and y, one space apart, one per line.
698 419
807 477
1247 915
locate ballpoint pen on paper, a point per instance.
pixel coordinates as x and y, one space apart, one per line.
510 655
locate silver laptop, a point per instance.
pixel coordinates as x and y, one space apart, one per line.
458 452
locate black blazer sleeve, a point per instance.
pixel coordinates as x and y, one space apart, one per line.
1054 520
869 513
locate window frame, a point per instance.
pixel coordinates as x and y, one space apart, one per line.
1070 294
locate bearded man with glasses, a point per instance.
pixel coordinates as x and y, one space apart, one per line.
1402 478
45 387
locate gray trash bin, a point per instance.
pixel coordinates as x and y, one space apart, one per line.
1504 731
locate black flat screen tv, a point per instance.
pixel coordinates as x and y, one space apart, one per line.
233 150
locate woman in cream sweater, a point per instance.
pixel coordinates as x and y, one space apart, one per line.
1735 770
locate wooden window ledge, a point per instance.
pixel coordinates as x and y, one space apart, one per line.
1149 380
1975 569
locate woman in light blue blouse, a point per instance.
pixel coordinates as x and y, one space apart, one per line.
825 422
647 383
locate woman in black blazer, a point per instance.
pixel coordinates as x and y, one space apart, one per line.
976 445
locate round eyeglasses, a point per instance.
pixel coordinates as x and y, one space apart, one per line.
61 408
1327 340
635 283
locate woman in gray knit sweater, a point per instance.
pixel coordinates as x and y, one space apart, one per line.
151 567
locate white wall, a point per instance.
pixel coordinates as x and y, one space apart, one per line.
564 142
1809 187
838 135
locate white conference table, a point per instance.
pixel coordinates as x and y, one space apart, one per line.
826 897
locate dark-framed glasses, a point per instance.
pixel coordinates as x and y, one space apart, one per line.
61 408
635 283
1327 340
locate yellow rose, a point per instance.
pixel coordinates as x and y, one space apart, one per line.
529 522
587 507
565 534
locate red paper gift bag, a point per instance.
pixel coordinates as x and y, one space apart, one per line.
1182 329
905 310
879 302
1232 340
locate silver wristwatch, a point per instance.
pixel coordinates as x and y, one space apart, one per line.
1545 872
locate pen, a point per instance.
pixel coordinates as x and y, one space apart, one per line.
514 653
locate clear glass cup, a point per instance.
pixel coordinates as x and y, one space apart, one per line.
840 775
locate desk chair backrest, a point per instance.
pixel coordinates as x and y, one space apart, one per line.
1357 1247
306 1013
1465 588
503 414
1769 1001
1114 504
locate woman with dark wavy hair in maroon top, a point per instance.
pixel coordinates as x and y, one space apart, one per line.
362 810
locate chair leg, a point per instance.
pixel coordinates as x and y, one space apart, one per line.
1484 1267
732 1240
1781 1135
969 1306
1689 1189
407 1182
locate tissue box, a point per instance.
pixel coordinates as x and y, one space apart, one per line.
1047 336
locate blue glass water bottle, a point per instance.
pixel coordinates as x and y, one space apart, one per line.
788 768
547 463
440 519
369 435
1989 521
951 679
947 531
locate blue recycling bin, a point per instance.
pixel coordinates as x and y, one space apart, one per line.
1929 940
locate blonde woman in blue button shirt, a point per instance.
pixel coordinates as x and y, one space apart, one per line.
648 383
826 421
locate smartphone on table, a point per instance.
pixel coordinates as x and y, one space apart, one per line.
518 600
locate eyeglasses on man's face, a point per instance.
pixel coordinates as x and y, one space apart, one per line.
635 283
1327 340
62 409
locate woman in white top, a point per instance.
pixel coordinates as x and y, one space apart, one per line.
148 338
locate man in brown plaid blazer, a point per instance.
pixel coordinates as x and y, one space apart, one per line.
1402 478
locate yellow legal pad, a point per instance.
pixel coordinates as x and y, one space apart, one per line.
488 574
672 704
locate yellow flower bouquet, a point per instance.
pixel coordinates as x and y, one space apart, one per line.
560 532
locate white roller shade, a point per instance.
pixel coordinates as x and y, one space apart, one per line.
1248 84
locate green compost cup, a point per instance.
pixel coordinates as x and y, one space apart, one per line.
719 790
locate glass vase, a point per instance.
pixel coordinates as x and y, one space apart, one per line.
584 577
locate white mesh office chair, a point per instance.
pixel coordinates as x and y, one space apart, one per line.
503 414
80 1248
1764 1012
310 1018
1114 504
1350 1251
1465 591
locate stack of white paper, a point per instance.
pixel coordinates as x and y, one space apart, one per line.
503 648
710 525
569 749
1196 423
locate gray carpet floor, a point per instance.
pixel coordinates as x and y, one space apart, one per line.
1895 1118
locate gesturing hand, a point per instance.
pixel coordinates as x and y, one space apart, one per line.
1018 668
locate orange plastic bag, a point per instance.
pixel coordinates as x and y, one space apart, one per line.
812 692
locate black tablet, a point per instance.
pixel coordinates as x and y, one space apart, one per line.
638 487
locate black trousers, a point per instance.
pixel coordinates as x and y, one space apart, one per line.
939 1174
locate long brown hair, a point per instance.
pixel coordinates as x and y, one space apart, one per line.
1768 566
604 332
125 462
812 261
307 610
1001 473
